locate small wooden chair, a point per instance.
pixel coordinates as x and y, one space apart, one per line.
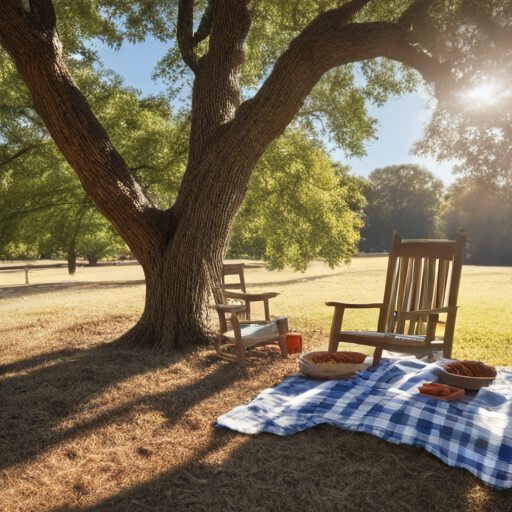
242 295
236 340
422 282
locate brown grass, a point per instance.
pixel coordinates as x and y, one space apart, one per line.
87 426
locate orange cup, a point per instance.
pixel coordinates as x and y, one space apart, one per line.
294 343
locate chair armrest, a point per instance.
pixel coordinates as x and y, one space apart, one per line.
228 308
433 319
437 311
249 322
355 306
252 297
223 309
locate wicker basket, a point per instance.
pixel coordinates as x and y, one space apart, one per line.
328 371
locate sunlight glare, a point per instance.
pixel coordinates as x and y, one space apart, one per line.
487 93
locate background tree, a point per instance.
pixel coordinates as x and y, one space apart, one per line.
299 206
484 209
43 207
181 248
472 121
402 197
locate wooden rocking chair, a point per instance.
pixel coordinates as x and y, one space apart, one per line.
422 282
231 344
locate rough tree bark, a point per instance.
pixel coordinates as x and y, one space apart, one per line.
181 249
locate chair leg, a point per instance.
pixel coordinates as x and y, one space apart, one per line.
333 345
240 353
377 354
218 343
239 347
282 346
267 310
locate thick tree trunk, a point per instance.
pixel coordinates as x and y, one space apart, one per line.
178 290
179 284
175 316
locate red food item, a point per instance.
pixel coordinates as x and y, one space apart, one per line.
432 388
471 369
441 391
344 357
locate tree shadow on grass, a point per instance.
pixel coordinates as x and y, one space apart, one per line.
34 405
321 469
31 362
10 292
324 468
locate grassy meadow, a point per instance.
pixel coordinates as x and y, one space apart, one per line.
87 426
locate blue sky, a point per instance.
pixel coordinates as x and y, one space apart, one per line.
400 121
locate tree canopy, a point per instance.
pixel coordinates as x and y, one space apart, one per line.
406 198
299 206
484 209
472 119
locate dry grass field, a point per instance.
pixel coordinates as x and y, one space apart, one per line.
87 426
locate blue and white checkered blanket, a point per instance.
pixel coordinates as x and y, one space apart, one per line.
474 432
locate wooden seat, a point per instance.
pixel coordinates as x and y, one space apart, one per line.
422 282
242 296
230 344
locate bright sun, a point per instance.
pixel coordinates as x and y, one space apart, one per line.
484 94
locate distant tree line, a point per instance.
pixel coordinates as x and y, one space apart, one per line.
407 198
279 222
413 201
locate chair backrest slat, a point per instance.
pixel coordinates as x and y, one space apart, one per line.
388 318
422 274
403 294
231 269
416 293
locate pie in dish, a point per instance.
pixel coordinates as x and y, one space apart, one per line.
344 357
470 369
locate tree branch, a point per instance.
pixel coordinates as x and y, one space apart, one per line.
184 33
350 9
216 92
325 44
205 26
416 12
21 152
23 213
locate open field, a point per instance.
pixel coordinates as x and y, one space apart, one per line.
88 426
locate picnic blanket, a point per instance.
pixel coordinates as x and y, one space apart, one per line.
474 432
